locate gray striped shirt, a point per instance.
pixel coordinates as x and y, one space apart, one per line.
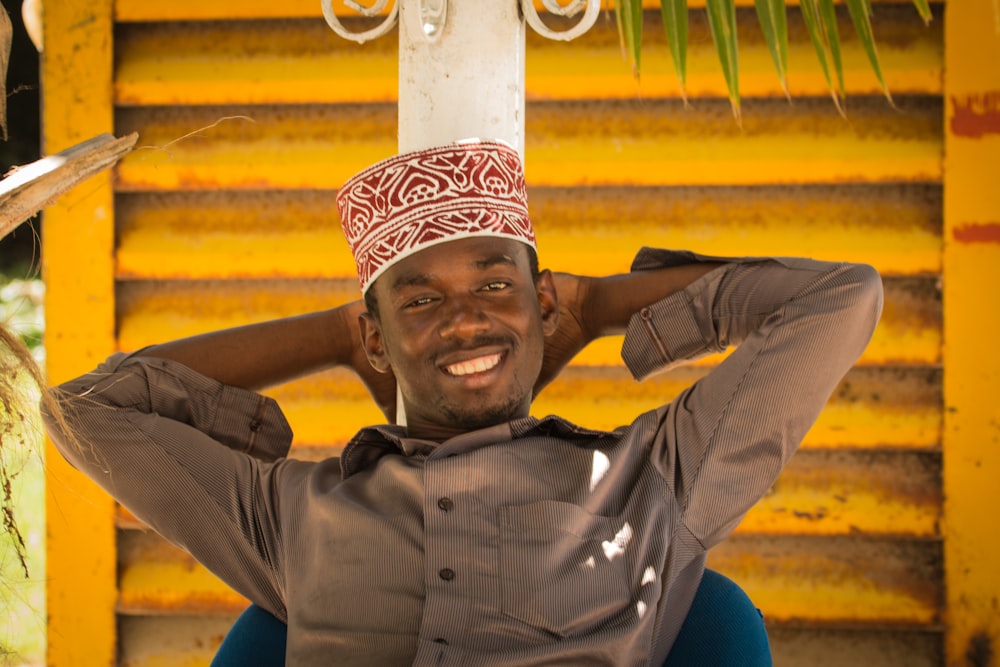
535 542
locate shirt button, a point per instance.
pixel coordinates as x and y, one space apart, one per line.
646 314
447 574
445 504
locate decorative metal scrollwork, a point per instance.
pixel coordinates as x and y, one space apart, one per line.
433 14
592 9
373 10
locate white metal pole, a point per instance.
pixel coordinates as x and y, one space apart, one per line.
461 72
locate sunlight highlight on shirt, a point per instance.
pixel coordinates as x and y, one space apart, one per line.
616 547
599 469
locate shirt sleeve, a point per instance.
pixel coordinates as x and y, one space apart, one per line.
798 325
174 448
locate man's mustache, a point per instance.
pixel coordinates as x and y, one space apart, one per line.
475 344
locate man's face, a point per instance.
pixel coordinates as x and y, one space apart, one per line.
461 325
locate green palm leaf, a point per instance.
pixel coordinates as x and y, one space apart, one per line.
675 23
628 14
860 11
774 24
819 35
722 21
829 14
821 23
924 9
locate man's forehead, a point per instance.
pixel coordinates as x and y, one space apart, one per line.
463 254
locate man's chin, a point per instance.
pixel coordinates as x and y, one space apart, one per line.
483 416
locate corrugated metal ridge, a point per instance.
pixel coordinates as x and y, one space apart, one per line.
285 234
831 581
568 143
142 10
301 61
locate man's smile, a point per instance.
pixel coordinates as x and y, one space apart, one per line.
476 365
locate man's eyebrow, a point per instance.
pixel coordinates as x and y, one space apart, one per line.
410 280
494 260
418 279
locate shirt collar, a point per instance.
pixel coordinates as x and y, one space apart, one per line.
373 442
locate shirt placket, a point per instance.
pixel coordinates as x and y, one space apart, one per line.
449 571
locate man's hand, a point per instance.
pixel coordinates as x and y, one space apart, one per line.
592 307
574 331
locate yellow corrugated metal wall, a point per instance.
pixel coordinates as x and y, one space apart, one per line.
251 114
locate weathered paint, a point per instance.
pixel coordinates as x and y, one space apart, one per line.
79 309
155 577
831 647
977 232
975 115
578 143
140 10
178 641
971 437
853 492
836 580
206 235
303 61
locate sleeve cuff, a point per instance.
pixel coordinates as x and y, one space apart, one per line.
663 335
678 328
240 419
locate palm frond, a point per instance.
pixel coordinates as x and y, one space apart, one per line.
860 11
675 23
820 17
628 15
722 22
819 35
774 25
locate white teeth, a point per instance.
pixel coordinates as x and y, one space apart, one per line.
477 365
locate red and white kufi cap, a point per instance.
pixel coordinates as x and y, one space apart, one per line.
414 200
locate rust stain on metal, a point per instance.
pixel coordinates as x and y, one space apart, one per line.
978 232
976 115
980 650
133 604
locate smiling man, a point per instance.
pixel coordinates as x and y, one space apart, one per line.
476 534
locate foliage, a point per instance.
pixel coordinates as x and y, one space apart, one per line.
22 523
819 17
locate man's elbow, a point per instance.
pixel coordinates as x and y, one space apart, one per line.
869 294
57 411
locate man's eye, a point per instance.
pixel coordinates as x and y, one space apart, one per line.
422 301
495 286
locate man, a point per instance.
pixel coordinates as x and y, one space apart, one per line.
476 534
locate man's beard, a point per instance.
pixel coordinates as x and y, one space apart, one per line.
471 418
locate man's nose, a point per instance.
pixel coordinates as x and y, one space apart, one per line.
463 318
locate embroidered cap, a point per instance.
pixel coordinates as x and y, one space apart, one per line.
414 200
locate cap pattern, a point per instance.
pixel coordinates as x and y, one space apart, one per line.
413 200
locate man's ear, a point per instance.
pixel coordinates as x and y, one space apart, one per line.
548 301
371 340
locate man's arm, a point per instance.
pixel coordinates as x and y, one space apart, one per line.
593 307
261 355
177 434
798 326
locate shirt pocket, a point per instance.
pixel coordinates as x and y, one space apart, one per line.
563 569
